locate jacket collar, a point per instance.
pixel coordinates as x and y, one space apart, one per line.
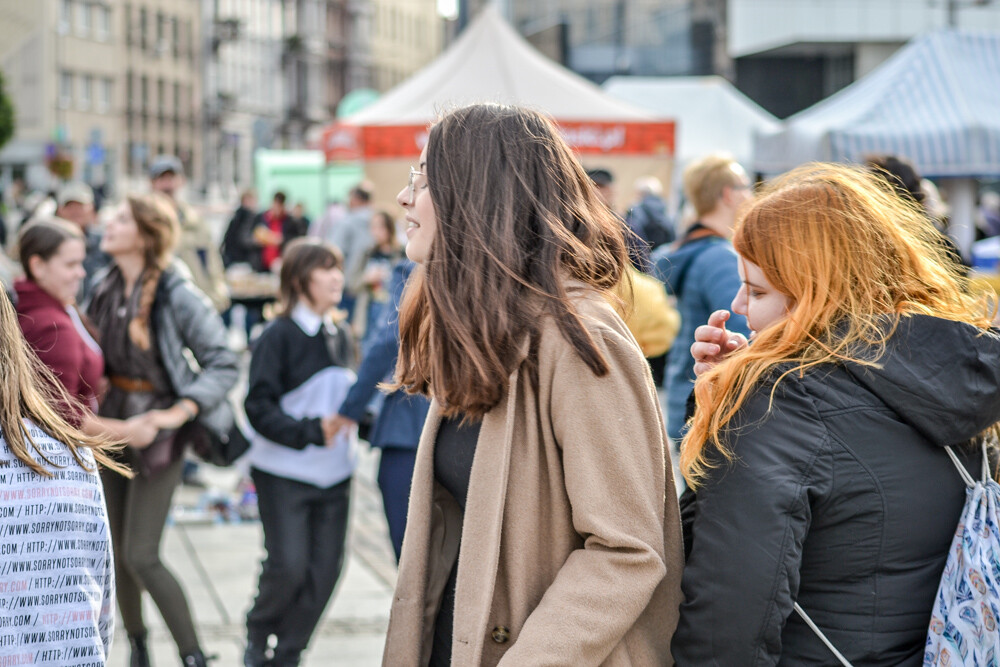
310 322
30 296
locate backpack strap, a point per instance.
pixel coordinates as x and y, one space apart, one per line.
966 476
819 633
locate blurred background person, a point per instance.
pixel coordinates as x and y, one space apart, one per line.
151 318
274 229
604 181
903 180
370 283
302 221
52 255
324 225
648 219
352 236
238 246
400 419
195 246
76 204
701 272
989 209
300 372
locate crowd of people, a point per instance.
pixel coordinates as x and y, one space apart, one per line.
820 351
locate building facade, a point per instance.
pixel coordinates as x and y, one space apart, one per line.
60 60
790 54
603 38
162 78
405 36
244 98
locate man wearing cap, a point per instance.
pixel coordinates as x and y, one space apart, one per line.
196 248
75 203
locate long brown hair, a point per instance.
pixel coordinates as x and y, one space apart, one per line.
517 217
28 390
156 219
847 253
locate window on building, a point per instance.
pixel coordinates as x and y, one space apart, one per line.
129 90
83 19
177 100
161 96
65 89
175 36
144 92
86 91
143 33
102 31
161 34
128 25
65 16
104 94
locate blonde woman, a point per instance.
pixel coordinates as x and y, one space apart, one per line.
150 317
816 453
57 584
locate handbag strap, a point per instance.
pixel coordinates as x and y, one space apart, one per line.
819 633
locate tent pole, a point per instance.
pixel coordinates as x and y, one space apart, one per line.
961 196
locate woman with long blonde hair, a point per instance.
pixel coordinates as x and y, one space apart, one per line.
816 453
54 519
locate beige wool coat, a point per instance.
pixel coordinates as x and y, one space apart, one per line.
571 548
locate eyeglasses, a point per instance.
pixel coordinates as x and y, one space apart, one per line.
410 186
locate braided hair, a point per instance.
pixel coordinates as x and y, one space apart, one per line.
156 219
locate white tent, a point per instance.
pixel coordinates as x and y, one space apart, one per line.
711 114
935 102
490 62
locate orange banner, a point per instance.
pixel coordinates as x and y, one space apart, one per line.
344 142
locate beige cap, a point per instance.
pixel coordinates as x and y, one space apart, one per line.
75 191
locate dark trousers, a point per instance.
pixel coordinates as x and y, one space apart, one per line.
137 512
395 472
305 528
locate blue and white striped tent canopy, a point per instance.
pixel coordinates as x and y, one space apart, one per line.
935 102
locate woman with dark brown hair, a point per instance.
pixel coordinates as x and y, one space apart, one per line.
151 318
299 375
543 524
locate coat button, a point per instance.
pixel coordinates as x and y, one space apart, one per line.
501 634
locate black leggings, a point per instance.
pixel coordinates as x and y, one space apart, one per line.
137 511
305 528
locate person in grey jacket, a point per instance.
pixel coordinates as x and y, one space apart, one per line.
151 318
816 457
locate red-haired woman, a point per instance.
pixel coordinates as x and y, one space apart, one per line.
817 453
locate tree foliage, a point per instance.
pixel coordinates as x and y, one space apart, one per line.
7 116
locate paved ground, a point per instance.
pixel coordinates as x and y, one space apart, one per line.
218 564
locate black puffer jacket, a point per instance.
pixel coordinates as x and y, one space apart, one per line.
843 499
